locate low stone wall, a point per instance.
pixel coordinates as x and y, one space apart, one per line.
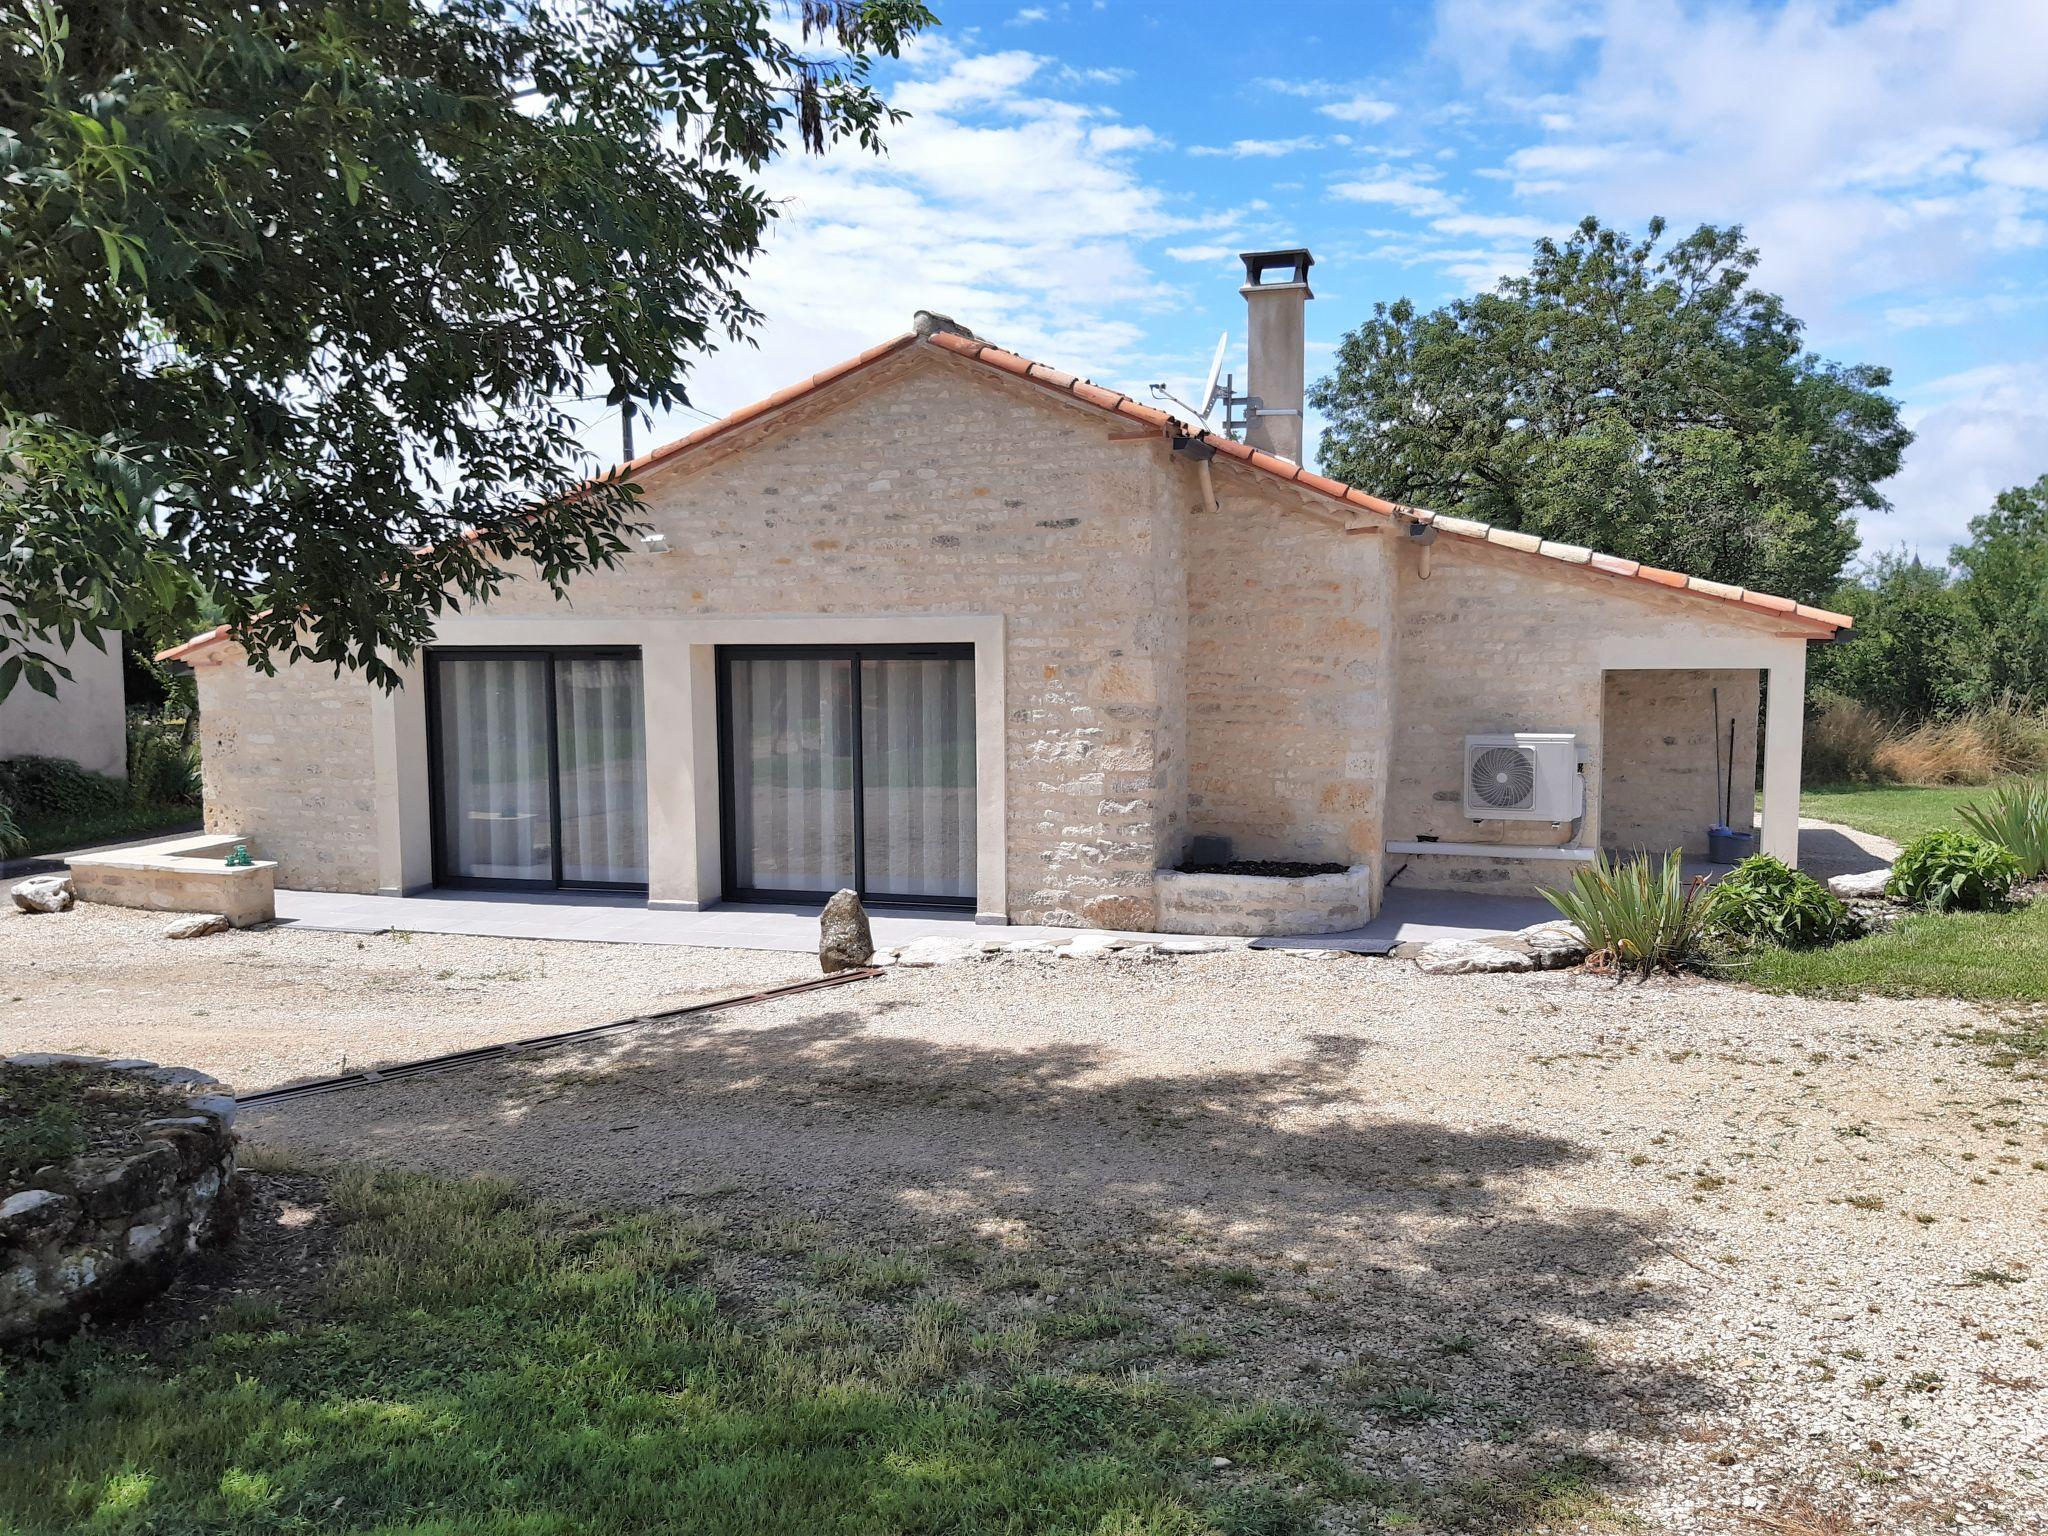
187 874
103 1232
1263 906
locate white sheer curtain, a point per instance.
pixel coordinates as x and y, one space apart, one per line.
496 820
792 773
601 769
917 775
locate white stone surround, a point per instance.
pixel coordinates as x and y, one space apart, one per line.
1263 906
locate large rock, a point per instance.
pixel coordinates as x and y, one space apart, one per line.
1553 945
45 893
1867 886
1466 957
197 926
845 942
935 950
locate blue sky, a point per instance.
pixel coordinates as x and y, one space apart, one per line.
1077 178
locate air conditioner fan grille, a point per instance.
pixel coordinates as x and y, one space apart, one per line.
1503 778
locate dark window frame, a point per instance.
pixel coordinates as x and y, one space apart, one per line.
548 654
728 863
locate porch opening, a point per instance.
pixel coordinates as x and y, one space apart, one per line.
1678 754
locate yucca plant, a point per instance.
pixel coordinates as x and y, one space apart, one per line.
1637 918
2016 818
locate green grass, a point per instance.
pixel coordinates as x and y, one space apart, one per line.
480 1365
1984 956
1900 812
60 834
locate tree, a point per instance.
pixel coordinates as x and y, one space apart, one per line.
2005 580
1653 405
293 294
1918 648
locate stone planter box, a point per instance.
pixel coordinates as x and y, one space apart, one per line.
105 1232
1263 906
185 874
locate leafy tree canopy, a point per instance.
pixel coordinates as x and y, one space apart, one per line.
2005 578
1648 403
290 292
1918 648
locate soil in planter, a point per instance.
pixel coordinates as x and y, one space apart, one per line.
53 1114
1272 869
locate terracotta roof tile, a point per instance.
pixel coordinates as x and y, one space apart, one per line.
1095 394
1334 489
976 350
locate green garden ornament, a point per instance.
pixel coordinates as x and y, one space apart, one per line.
240 859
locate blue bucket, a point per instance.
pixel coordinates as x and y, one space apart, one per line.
1727 846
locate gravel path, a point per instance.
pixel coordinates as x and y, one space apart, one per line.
261 1008
1760 1255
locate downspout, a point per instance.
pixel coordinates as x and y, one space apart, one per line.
1422 535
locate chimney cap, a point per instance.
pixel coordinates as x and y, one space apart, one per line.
1294 261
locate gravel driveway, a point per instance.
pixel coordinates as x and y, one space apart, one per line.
265 1007
1767 1258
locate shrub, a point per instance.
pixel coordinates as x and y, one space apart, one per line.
11 840
163 768
1636 918
1764 901
2015 818
50 787
1949 871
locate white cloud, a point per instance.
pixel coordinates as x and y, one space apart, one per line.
1867 150
1978 432
1396 192
1359 109
1488 226
1203 253
1259 149
1001 201
1031 15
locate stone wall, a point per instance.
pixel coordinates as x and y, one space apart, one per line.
1289 708
1657 758
104 1232
1493 642
1259 906
286 762
929 486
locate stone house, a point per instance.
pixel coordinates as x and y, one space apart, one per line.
957 628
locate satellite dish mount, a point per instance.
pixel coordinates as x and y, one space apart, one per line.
1221 389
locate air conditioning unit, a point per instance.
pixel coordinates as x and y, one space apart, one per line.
1526 776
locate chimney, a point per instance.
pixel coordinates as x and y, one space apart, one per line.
1276 292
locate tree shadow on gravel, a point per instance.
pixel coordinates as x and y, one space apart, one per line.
1273 1230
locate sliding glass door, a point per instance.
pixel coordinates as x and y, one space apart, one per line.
848 767
539 768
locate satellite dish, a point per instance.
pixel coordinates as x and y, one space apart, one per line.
1210 391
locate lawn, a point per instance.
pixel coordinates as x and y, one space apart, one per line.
1900 812
1984 956
480 1364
